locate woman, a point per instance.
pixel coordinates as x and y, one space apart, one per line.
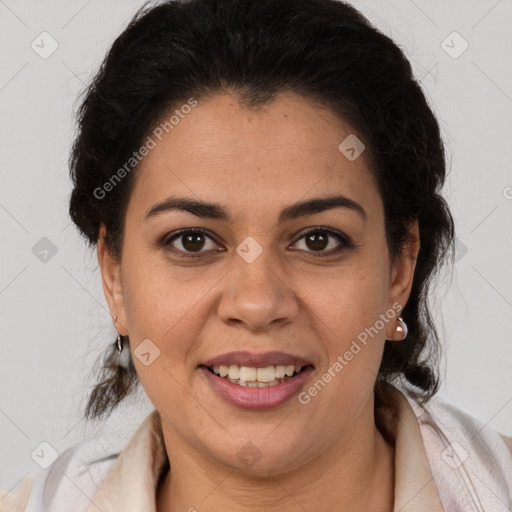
262 181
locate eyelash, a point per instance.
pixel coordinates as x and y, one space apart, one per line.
345 242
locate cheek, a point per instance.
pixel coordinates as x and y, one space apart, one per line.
349 299
347 318
168 306
347 308
165 315
156 294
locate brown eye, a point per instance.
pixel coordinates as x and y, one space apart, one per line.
193 242
317 240
190 242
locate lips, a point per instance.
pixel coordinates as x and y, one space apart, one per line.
244 358
257 398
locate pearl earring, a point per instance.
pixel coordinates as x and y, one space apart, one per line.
402 327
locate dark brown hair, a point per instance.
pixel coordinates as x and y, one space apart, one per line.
323 50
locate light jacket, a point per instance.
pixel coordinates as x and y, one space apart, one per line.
445 460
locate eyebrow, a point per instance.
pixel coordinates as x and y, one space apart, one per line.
215 211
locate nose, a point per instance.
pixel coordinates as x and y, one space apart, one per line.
257 296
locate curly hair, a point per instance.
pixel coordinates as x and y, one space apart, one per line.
322 50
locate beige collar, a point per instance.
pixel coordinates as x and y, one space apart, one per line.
132 481
415 489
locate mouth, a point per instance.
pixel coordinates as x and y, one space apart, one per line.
257 377
256 381
256 388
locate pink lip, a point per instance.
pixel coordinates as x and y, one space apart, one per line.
257 398
244 358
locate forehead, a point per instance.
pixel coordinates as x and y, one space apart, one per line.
252 158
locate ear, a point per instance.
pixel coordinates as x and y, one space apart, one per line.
112 284
402 272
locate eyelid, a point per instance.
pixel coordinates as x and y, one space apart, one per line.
325 229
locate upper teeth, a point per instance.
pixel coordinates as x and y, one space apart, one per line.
250 374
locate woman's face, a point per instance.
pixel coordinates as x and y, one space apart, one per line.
256 282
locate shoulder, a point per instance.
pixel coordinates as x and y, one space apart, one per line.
69 483
444 418
471 462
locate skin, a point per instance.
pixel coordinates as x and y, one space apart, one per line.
328 454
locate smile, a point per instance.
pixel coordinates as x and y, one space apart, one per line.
256 377
242 387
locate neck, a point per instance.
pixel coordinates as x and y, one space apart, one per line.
355 473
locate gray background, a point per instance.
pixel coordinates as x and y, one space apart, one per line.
54 319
